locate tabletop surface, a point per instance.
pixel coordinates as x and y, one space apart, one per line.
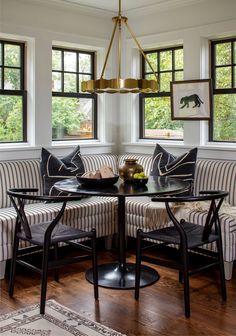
155 186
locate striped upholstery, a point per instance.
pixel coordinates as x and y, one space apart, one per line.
84 214
101 212
216 174
22 173
210 174
98 212
144 160
137 216
228 229
93 162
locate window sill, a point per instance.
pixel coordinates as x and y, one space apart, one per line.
27 151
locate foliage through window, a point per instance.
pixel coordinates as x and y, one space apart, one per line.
12 92
155 108
73 113
223 68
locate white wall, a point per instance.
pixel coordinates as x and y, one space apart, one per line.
41 25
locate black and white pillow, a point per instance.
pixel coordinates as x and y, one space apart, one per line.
54 169
166 164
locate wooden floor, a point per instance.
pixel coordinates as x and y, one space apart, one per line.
159 310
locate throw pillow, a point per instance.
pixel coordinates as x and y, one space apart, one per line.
54 169
166 164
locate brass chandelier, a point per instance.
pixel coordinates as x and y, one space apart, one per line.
120 85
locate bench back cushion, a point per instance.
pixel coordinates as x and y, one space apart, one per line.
94 162
144 160
26 173
216 174
210 174
18 174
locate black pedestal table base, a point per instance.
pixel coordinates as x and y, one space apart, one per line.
115 276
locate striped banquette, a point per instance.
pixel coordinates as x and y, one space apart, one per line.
101 213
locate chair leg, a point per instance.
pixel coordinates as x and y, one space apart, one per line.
222 270
94 264
56 271
138 264
186 282
13 266
180 271
44 279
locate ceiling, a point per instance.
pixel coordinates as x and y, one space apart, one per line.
112 5
126 5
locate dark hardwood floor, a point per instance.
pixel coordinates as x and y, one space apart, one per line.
159 310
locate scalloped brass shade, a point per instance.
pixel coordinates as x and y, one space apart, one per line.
120 85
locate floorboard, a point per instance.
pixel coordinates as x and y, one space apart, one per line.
159 311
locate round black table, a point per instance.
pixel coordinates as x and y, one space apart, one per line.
121 275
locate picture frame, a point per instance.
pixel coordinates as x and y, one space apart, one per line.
191 100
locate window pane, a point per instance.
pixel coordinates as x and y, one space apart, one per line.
152 57
151 76
11 79
235 76
158 123
12 55
179 59
83 78
179 75
166 60
0 78
223 78
56 60
56 82
72 118
0 54
70 83
223 53
11 118
234 52
85 63
69 61
165 79
224 117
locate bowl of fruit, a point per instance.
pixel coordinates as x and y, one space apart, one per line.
140 179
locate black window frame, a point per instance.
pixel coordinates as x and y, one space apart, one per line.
22 92
78 94
231 90
142 96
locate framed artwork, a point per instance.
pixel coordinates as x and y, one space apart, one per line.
191 100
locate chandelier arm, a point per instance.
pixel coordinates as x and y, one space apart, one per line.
119 51
109 49
119 8
140 49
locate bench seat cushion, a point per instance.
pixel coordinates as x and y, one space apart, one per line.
142 213
228 230
85 214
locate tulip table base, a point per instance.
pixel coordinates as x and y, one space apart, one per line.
116 276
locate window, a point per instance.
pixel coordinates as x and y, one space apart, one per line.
74 114
223 67
155 108
12 93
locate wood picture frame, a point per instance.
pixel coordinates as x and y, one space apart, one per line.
191 99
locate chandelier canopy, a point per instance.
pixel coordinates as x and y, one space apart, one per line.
120 85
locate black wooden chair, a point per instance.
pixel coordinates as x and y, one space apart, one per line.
188 236
47 236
